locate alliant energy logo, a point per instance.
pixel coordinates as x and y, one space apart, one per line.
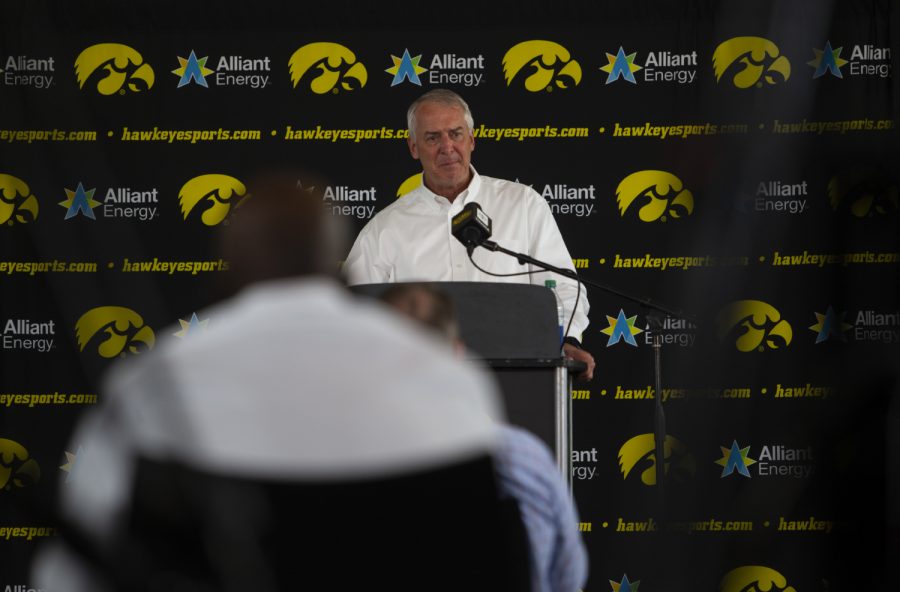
344 200
117 331
443 69
754 577
27 71
831 324
750 61
409 184
17 469
680 332
638 455
191 327
584 464
28 335
231 70
329 68
753 325
782 197
827 61
113 68
624 585
655 195
870 60
570 200
660 66
621 328
219 194
71 464
864 191
541 65
17 204
122 203
773 460
873 326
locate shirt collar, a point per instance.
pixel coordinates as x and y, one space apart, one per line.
469 194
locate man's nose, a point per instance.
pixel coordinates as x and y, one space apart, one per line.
445 143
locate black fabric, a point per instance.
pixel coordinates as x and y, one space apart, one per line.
442 529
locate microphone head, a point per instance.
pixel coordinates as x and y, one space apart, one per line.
471 226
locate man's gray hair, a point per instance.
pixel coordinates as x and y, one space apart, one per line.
444 97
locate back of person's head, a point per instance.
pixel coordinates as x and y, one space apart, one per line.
282 230
426 304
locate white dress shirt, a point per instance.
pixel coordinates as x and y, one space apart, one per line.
410 240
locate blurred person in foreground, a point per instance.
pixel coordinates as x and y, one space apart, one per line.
295 388
410 240
526 471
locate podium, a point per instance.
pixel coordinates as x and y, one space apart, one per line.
512 328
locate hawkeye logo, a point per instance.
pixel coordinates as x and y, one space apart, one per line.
124 69
735 459
754 325
865 191
621 328
233 70
409 184
639 454
330 67
124 329
17 204
657 195
221 192
755 61
754 577
17 468
544 65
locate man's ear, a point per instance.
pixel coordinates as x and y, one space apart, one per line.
413 150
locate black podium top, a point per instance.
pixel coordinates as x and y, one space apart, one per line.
499 321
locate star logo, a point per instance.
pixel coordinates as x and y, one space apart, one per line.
192 69
406 67
624 585
827 60
621 66
621 328
735 459
81 201
830 324
195 325
71 464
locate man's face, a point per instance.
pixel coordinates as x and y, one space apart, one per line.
443 144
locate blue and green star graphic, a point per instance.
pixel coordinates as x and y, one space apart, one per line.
624 585
735 459
192 69
830 324
621 328
406 67
621 66
80 201
827 60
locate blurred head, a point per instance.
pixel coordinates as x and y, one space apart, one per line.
441 139
282 230
431 307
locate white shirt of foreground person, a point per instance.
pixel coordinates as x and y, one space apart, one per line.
410 240
262 393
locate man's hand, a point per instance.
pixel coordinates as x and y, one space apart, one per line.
576 353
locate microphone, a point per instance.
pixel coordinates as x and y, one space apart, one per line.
471 226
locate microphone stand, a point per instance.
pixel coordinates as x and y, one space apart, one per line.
659 415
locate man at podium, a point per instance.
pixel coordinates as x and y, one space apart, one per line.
411 240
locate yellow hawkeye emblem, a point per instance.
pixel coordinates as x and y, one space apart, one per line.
544 64
220 191
642 449
17 204
657 193
125 330
866 191
125 69
410 184
757 325
17 469
754 577
758 61
335 66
